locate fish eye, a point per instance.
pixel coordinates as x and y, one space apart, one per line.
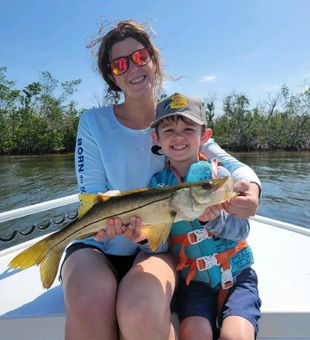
207 185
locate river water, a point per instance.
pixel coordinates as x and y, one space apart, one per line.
26 180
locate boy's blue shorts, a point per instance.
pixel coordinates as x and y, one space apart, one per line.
198 299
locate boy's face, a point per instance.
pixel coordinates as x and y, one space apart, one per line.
180 139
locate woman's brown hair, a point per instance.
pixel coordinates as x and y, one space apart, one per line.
124 29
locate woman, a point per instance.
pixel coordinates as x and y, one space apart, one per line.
116 288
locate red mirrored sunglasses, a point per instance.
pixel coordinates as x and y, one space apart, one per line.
139 57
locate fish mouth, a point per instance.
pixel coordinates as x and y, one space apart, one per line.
213 191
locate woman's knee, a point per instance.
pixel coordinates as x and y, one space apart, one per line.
144 299
141 308
89 288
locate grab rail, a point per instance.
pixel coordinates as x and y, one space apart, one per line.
32 209
39 207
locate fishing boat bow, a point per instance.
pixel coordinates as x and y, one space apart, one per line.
281 251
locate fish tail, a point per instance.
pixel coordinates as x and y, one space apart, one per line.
49 267
41 253
156 234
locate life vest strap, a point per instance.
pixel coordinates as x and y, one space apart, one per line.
192 237
218 259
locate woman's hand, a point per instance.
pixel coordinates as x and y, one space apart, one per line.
102 195
244 205
116 227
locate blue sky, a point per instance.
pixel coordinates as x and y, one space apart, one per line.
218 47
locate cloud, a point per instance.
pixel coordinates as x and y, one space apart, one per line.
274 88
206 79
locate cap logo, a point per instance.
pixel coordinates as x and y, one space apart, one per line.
178 102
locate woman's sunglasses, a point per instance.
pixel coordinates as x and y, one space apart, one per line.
121 65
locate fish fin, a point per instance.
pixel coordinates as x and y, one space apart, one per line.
30 256
39 254
156 234
49 268
87 202
129 192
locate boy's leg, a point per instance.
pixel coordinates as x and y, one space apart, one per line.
237 328
196 306
241 310
195 327
144 296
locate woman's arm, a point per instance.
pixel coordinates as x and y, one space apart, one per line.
246 182
238 170
89 168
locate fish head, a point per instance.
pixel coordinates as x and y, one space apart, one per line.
190 201
213 191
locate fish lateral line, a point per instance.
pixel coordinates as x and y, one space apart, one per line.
107 217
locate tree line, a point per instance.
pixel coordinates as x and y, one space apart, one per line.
41 118
38 118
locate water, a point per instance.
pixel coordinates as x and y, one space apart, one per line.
26 180
285 184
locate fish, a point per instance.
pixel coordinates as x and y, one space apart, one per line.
157 207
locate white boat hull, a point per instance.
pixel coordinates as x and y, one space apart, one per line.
27 311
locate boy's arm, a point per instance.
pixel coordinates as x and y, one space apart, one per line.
229 227
226 225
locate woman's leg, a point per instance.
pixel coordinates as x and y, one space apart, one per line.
144 296
90 290
195 327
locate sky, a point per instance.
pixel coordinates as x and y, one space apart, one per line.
217 47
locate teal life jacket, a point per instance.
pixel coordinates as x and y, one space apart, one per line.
202 256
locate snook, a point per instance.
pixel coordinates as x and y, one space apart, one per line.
158 208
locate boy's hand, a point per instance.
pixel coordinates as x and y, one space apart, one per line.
210 213
244 205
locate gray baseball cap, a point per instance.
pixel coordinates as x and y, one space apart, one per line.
180 105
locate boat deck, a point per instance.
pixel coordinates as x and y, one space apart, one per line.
27 311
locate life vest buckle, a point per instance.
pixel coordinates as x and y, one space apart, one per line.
206 262
227 279
198 235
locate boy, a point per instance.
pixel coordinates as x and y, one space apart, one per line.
214 258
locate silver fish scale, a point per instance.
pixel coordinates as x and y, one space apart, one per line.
185 205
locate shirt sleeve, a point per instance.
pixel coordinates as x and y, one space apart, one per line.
90 172
237 169
229 227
